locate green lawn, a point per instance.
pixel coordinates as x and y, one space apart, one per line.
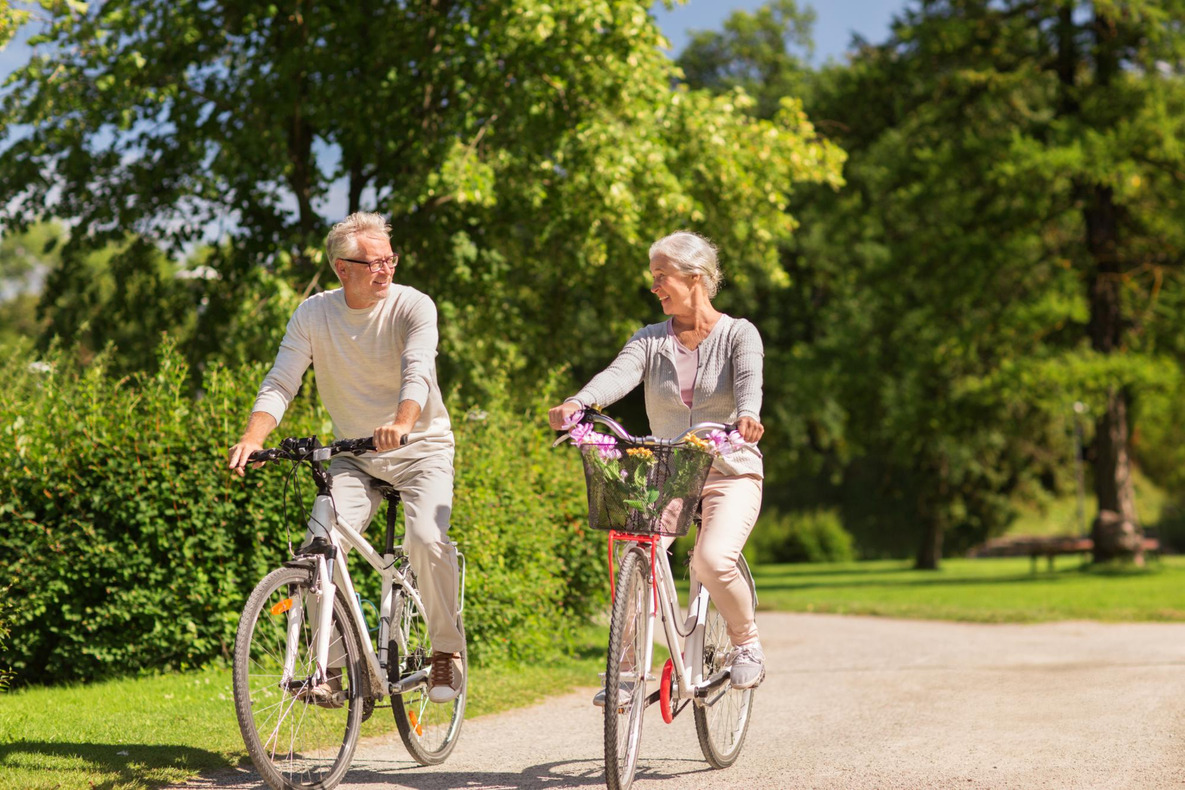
140 733
985 590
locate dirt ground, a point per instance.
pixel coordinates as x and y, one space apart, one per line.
856 702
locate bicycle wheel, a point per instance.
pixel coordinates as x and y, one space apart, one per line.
429 729
723 722
295 739
625 670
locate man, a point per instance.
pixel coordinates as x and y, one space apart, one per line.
372 345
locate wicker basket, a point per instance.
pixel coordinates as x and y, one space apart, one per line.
655 494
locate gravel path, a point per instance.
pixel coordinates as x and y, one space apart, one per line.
855 702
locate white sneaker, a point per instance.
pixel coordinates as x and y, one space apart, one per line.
747 666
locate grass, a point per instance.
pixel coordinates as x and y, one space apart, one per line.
139 733
984 590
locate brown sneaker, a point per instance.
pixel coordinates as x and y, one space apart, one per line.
444 683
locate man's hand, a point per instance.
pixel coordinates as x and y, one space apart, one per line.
240 453
750 430
557 417
259 427
389 437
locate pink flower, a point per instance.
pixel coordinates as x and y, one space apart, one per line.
580 433
725 443
572 419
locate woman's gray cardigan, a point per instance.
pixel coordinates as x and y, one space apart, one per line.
727 383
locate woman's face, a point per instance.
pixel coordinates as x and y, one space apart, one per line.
673 288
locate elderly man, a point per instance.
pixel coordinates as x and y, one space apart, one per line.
373 346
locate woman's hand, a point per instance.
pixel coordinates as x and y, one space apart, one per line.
558 416
750 430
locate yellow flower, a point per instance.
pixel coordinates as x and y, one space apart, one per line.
699 443
641 452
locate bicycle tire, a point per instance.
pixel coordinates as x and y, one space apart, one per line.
428 729
294 742
723 724
625 670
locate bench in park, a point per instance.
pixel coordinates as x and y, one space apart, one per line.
1049 547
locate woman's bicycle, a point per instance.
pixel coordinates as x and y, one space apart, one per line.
308 669
642 490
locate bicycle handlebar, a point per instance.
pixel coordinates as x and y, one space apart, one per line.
616 427
308 448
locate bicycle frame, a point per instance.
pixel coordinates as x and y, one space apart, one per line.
664 599
324 524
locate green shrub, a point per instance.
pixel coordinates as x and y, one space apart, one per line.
132 547
799 536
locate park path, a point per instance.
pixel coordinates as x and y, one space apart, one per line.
856 702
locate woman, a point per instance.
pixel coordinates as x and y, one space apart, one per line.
699 366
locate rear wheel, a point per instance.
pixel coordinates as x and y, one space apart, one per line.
625 670
429 729
723 722
296 739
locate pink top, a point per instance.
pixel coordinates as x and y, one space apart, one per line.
686 365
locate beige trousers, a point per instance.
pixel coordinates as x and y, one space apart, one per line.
731 504
426 486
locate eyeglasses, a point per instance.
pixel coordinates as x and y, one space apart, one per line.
378 264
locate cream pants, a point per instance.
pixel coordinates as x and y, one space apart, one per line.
731 504
426 486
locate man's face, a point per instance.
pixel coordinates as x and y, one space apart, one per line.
363 287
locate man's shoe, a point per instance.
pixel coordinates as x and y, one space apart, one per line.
326 694
446 678
747 665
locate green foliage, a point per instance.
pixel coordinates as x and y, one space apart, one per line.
133 548
804 536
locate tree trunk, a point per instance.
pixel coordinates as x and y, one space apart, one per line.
931 510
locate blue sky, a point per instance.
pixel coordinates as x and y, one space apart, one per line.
835 21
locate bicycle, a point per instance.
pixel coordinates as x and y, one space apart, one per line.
306 672
647 493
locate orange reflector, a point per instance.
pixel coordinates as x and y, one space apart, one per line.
415 722
282 606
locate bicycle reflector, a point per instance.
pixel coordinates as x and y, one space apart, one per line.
281 606
415 722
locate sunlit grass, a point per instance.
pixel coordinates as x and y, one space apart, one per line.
983 590
140 733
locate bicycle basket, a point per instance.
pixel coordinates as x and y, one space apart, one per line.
647 491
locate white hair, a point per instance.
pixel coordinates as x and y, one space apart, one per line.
691 253
342 239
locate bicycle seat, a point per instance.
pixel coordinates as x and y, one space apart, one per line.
385 489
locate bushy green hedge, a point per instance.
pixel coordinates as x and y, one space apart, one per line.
130 547
800 536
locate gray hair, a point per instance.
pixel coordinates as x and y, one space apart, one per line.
341 241
691 253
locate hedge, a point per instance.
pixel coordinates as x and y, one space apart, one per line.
131 548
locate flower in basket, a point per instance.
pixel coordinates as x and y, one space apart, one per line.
725 443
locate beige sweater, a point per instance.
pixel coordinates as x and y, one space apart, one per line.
727 383
366 362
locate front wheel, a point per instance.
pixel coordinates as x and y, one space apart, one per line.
625 670
723 721
429 729
296 738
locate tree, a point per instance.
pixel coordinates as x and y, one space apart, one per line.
526 152
951 304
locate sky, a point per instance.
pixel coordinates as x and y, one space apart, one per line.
835 21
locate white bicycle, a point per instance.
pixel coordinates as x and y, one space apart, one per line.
648 492
307 671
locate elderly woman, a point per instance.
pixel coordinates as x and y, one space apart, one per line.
699 366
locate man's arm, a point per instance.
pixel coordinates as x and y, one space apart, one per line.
259 427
